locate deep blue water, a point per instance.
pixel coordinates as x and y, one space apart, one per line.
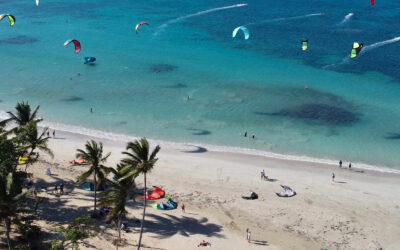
140 82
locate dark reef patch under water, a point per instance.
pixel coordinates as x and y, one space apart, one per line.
162 68
19 40
196 131
72 99
392 136
320 113
176 86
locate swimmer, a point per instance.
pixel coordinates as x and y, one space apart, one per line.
187 98
306 87
91 110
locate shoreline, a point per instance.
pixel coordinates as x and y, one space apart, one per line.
101 134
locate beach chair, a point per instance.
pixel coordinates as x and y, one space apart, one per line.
48 171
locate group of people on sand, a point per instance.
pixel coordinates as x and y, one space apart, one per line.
54 133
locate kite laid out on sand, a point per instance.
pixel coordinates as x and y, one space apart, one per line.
11 18
245 32
355 51
76 43
304 45
157 193
140 24
169 205
286 192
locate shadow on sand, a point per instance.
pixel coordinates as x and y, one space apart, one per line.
198 150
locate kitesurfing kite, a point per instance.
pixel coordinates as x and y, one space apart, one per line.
37 2
304 45
245 32
140 24
89 60
77 45
11 18
355 51
372 2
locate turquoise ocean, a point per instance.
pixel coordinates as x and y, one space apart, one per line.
139 83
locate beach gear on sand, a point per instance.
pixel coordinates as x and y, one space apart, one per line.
253 196
286 192
89 186
77 162
22 160
169 205
48 172
157 193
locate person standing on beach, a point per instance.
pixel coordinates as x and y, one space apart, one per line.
54 134
350 166
262 174
333 177
248 235
48 133
183 207
340 164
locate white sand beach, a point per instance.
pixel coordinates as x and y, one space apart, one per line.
361 210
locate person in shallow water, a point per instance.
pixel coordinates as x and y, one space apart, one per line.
333 177
245 134
340 164
253 136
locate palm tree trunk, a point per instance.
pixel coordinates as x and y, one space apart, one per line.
7 222
95 193
144 212
27 162
119 230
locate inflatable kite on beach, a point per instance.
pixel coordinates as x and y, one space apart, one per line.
11 18
157 193
355 51
169 205
245 32
140 24
89 60
287 192
77 45
304 45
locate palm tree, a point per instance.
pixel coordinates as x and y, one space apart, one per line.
93 156
11 202
31 139
116 196
23 115
139 161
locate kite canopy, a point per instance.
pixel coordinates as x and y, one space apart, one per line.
89 60
372 2
157 193
169 205
76 43
253 196
304 45
37 2
355 51
140 24
89 186
286 192
11 18
245 32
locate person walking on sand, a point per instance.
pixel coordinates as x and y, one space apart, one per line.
333 177
350 166
183 207
340 164
248 235
48 133
62 188
54 134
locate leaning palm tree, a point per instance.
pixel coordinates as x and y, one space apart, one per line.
23 115
93 156
116 196
31 140
11 202
139 161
